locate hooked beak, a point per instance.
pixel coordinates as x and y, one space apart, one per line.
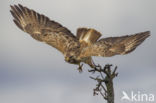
66 59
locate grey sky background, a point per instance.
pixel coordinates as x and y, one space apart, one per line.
33 72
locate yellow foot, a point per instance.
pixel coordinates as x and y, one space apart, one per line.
80 68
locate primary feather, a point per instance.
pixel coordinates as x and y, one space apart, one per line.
42 28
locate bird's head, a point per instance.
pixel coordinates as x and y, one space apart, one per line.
72 58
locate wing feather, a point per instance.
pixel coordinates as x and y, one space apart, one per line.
115 45
42 28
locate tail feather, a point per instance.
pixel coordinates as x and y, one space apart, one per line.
134 41
88 36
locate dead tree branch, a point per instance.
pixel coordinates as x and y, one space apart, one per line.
104 81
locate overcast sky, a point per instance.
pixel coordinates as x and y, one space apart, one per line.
33 72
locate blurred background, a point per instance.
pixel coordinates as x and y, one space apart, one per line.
33 72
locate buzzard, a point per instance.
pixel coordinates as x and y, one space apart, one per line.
76 49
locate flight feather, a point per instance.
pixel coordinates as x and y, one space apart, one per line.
42 28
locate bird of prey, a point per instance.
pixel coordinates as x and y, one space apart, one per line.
76 49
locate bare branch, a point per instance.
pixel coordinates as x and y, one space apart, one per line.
104 80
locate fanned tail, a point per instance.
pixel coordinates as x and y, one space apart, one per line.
88 36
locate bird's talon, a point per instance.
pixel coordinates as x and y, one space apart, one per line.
80 68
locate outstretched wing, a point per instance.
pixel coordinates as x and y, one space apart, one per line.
42 28
115 45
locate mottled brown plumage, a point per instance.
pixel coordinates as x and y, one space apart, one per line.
76 49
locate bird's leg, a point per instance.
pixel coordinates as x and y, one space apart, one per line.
80 67
94 67
91 63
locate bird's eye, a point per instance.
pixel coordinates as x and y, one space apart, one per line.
70 57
